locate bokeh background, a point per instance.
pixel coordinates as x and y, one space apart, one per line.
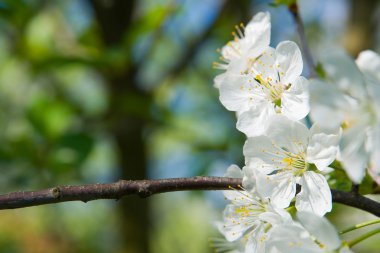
98 90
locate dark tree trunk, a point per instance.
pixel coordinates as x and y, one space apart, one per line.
360 34
114 18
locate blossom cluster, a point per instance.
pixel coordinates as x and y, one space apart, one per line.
286 157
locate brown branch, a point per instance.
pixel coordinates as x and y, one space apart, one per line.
357 201
293 8
117 190
146 188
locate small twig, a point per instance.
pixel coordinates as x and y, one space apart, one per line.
293 8
363 237
146 188
360 225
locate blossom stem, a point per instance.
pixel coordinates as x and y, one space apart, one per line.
360 225
363 237
293 8
291 210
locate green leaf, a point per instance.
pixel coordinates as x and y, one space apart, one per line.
50 117
71 151
320 70
366 186
338 179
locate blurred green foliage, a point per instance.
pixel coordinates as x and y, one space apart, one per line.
71 91
61 115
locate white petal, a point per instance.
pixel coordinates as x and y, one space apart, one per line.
238 93
238 197
257 34
327 104
288 134
261 147
275 218
232 50
285 189
369 63
291 238
283 216
288 61
315 195
249 178
323 147
374 175
264 184
232 195
295 100
257 240
264 65
234 171
373 145
320 228
374 93
254 121
251 245
328 170
342 70
354 156
259 22
233 228
231 96
219 79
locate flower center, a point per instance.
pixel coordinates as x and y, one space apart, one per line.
295 163
249 210
273 90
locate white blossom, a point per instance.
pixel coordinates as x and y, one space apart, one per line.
283 158
349 98
313 234
248 218
251 40
269 84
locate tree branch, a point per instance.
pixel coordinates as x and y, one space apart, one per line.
117 190
146 188
357 201
293 8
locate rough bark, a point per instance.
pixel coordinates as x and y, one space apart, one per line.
146 188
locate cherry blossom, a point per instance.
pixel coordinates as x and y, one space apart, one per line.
248 218
312 234
349 98
270 84
285 156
